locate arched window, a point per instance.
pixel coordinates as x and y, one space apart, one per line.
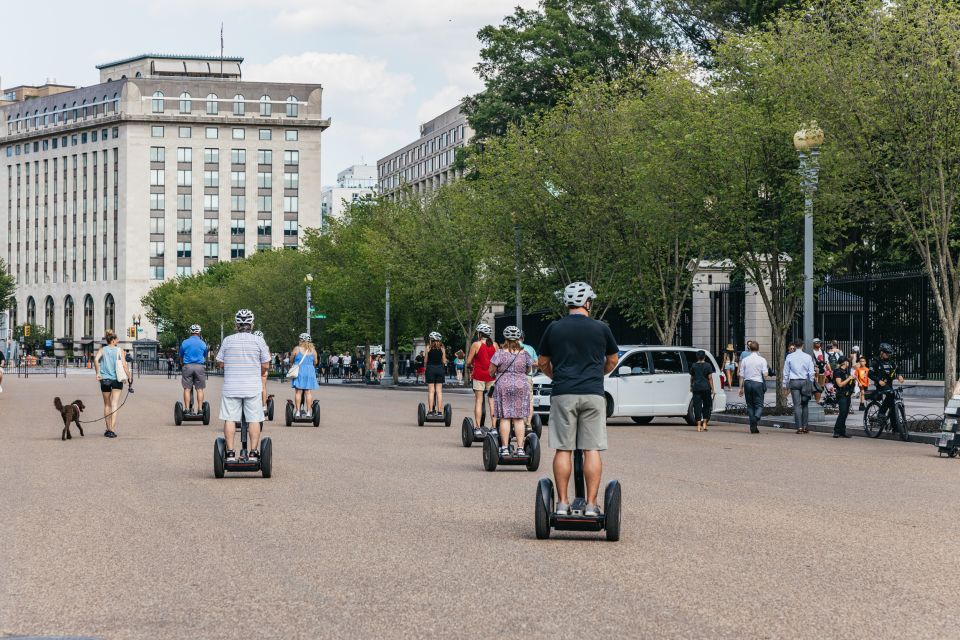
158 102
83 109
185 103
68 317
46 118
265 106
137 75
31 311
36 119
48 318
116 102
13 313
109 314
106 105
74 110
293 107
212 106
238 106
88 316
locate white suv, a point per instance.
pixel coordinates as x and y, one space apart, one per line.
649 382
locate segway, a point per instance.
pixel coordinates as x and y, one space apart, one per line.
577 520
492 456
268 410
313 418
470 432
243 464
434 416
190 415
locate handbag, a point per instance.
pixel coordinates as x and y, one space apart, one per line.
121 372
293 371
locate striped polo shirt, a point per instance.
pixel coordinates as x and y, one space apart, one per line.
242 355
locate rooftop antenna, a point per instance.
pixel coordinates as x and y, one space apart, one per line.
221 50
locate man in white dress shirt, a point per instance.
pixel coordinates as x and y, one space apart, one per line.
753 370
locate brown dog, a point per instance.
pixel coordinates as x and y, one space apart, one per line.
69 413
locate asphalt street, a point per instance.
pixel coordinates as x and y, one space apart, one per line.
374 528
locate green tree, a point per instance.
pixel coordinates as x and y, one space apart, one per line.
702 23
36 340
531 61
8 287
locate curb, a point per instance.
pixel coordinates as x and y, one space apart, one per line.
786 424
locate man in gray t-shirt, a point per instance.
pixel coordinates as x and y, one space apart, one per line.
245 359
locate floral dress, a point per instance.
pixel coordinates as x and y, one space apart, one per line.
511 399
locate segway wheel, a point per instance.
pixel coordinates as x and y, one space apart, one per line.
447 415
178 413
270 406
544 507
289 415
421 414
266 457
206 412
466 432
611 508
536 423
532 447
491 453
315 407
218 455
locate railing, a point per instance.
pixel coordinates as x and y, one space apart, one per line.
46 367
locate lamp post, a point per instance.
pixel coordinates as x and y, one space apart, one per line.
308 279
137 321
388 372
807 142
518 307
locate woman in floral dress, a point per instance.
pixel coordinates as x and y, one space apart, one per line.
511 396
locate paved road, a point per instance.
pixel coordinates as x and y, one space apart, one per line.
373 527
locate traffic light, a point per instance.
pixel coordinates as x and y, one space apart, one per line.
131 332
26 331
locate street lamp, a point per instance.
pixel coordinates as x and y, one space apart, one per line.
308 279
137 321
518 307
808 142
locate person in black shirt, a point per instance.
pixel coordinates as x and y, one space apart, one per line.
883 373
701 384
844 381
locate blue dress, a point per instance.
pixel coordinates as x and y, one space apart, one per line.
306 379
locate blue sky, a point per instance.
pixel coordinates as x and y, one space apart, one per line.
386 65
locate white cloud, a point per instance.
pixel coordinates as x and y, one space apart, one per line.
445 99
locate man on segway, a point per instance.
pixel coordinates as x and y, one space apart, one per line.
193 373
245 358
576 352
883 373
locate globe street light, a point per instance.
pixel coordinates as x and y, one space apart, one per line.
808 142
308 279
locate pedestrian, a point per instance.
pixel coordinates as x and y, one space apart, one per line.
701 386
305 382
883 373
3 361
193 359
576 352
509 367
244 357
481 353
347 361
112 370
844 381
862 374
381 364
820 362
335 364
419 364
753 371
729 365
458 362
798 377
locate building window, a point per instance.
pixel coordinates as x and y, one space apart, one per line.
157 225
291 157
238 227
211 178
158 154
211 202
266 134
291 135
48 315
264 180
290 228
157 103
157 203
109 314
238 156
185 132
238 134
211 156
156 249
184 154
212 105
156 272
157 177
264 204
238 105
67 317
155 132
184 178
264 156
184 250
266 109
184 202
291 181
238 203
291 204
88 316
186 104
237 250
264 227
184 271
211 250
293 108
210 133
238 179
211 226
184 225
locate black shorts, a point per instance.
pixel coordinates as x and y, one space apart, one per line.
435 374
106 386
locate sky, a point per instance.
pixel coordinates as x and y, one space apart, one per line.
385 65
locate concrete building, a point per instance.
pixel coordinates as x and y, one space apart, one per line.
428 162
354 184
168 165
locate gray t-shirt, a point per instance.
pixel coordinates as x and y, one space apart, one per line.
242 355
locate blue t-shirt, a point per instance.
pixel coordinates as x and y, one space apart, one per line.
533 356
193 350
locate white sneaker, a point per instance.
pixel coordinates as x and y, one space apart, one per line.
563 509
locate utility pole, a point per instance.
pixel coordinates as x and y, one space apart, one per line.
386 336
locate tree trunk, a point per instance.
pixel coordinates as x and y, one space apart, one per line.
776 361
949 361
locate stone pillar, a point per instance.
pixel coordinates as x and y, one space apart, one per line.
711 276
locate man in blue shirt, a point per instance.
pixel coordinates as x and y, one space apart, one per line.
193 357
798 378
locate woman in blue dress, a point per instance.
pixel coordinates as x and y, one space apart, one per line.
305 382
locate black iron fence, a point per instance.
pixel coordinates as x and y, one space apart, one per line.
728 308
49 367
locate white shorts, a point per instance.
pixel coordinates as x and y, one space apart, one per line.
252 408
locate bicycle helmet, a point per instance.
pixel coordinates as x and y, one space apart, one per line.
886 348
484 329
243 317
194 328
576 294
306 337
434 335
512 333
258 333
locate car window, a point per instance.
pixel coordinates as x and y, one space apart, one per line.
638 363
667 361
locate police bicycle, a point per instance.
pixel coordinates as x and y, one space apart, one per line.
876 419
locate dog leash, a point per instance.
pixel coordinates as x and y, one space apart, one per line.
105 416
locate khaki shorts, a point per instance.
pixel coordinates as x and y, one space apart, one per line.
480 385
193 375
578 422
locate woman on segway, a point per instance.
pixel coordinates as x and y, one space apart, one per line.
512 391
436 361
305 381
481 353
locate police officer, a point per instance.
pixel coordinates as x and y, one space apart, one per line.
883 373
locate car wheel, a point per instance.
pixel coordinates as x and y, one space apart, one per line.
642 419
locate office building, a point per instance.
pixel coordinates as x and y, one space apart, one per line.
428 162
168 165
357 183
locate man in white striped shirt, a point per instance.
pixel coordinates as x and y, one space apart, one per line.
245 359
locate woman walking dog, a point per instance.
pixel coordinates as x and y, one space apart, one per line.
112 371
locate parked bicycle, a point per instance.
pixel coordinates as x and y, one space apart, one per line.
876 419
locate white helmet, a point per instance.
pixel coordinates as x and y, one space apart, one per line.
258 333
576 294
512 333
484 329
306 337
244 316
194 328
434 335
